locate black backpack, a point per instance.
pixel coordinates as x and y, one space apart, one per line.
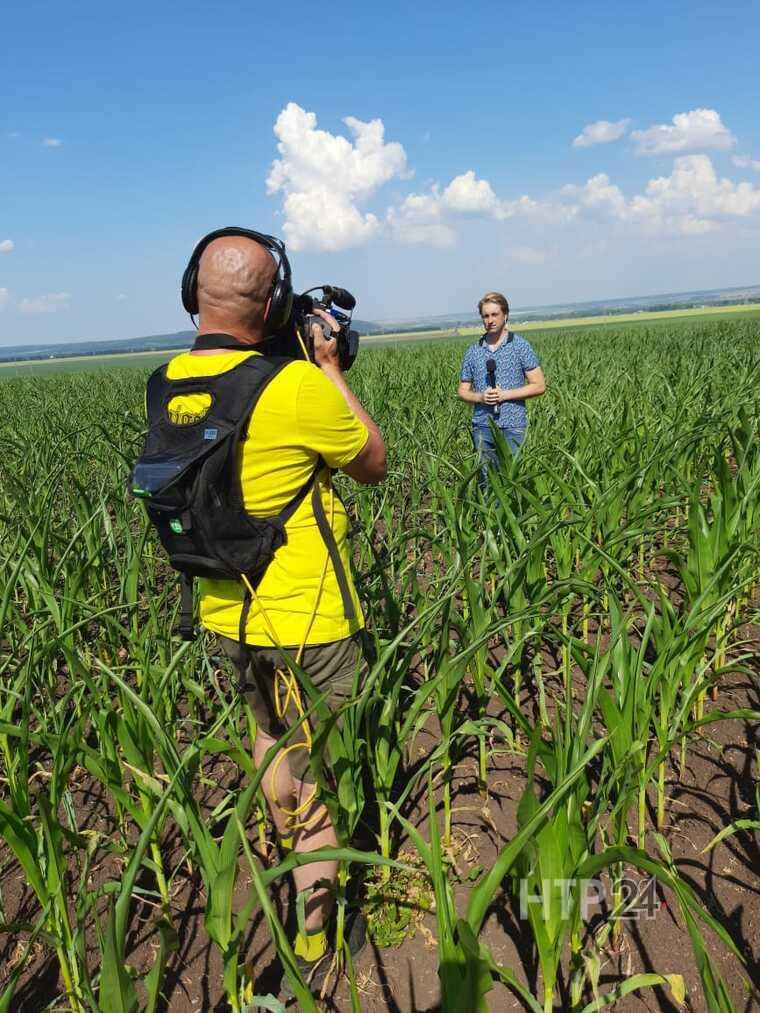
189 481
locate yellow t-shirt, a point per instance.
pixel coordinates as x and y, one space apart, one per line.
300 415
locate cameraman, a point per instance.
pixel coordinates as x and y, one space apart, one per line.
307 412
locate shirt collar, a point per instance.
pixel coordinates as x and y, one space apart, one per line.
501 342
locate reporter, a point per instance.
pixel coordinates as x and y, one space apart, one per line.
499 398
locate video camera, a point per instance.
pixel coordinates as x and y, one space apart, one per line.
339 303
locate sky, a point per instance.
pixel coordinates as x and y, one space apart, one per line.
416 154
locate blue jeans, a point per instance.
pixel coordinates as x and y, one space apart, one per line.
485 447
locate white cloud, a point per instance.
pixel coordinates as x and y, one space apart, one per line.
420 220
4 297
52 142
600 132
692 199
324 176
121 297
745 162
524 206
700 128
689 201
50 303
427 218
7 245
466 194
597 193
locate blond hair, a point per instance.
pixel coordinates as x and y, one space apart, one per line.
496 297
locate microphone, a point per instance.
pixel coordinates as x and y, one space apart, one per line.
340 296
491 370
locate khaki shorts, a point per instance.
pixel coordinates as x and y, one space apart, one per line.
331 667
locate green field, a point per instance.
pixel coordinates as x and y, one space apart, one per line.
561 676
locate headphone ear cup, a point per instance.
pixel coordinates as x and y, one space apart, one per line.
190 288
280 305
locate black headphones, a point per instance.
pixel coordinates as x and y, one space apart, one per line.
281 295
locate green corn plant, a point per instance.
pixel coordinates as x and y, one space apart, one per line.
543 871
393 716
40 844
466 968
477 618
218 863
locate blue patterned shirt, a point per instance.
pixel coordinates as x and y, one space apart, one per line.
513 360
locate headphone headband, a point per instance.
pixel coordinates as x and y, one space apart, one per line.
281 294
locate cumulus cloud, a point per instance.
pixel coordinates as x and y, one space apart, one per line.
7 245
597 193
600 132
4 297
545 210
429 217
693 198
420 219
324 178
466 194
50 303
690 201
745 162
52 142
700 128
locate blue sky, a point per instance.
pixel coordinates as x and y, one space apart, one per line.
416 154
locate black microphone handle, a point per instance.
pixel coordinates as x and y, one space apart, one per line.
492 383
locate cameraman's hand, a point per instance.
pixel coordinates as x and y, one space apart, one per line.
325 349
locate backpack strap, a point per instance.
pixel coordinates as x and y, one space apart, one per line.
244 610
285 514
332 547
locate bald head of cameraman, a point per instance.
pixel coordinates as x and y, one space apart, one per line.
235 279
307 414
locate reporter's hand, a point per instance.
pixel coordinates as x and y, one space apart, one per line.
325 349
493 395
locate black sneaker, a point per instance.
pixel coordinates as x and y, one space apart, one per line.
316 972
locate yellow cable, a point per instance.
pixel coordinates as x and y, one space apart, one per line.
292 690
303 346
